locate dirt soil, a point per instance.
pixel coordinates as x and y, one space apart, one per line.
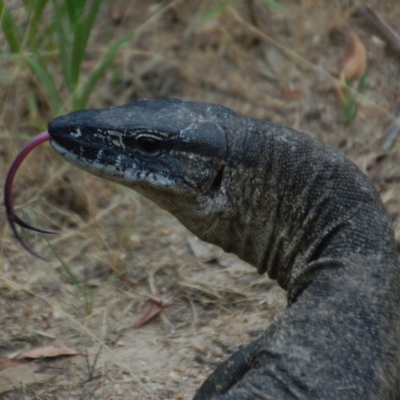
279 63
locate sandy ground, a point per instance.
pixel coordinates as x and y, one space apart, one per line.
275 63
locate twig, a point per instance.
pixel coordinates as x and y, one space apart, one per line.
389 178
392 131
380 25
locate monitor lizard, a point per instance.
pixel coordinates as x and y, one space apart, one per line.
287 204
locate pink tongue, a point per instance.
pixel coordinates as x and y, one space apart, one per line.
13 219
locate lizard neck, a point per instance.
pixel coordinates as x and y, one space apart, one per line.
280 200
278 190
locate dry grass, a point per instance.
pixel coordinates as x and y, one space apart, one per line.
122 247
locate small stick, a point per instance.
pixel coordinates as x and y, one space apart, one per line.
380 25
392 131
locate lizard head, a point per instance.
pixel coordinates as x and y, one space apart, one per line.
172 152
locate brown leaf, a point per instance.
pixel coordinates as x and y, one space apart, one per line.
7 363
355 59
152 309
291 94
354 62
13 378
48 351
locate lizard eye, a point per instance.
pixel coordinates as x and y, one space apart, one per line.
148 144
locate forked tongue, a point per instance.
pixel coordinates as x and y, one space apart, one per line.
13 219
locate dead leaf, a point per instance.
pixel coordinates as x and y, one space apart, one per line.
291 94
7 363
153 308
45 352
354 62
13 378
355 59
200 249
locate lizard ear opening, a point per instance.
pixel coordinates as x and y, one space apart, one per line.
216 185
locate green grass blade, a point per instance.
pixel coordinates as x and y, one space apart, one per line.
7 56
98 72
33 38
74 10
219 8
81 37
74 280
35 10
274 5
362 85
4 79
10 28
350 110
351 101
62 45
41 72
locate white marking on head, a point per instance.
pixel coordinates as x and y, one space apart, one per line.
131 176
99 154
77 133
117 142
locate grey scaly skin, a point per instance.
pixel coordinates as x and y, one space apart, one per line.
288 205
